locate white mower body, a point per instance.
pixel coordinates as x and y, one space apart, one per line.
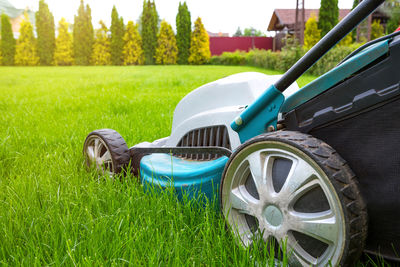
218 103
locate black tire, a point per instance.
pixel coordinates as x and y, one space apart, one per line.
340 177
110 141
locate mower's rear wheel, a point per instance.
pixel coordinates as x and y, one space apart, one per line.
291 187
107 151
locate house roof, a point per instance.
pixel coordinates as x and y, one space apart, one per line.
8 9
287 17
13 12
219 34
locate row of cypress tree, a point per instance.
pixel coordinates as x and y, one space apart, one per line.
147 42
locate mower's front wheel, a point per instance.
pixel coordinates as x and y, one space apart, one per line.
291 187
107 151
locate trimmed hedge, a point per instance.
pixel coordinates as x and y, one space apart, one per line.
283 60
228 58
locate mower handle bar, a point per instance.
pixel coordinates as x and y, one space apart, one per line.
346 25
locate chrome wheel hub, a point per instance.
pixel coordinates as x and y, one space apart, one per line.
97 155
273 215
274 190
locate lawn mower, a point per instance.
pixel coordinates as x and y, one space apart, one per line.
315 167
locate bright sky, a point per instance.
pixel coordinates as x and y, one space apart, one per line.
217 15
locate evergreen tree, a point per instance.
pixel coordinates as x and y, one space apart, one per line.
25 52
46 40
392 9
63 53
83 35
355 3
133 53
311 33
238 33
117 34
101 48
252 32
149 30
199 44
183 32
328 15
376 30
167 51
7 41
394 21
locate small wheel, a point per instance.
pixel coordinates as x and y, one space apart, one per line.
106 150
291 187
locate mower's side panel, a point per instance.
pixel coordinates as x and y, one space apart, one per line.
360 118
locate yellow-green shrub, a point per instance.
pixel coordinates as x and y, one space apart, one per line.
311 33
346 41
199 44
63 53
101 48
229 58
377 30
132 52
166 51
25 51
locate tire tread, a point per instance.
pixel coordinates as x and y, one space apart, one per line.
117 146
341 177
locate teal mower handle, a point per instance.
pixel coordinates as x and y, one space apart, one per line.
263 113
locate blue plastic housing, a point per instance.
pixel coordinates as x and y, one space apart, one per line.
255 119
187 176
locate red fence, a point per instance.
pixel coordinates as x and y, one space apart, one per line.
218 45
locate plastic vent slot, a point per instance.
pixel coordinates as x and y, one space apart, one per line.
205 137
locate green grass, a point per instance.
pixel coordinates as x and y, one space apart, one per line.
54 212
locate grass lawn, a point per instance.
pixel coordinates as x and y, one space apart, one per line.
52 211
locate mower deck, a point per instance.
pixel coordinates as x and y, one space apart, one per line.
186 176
